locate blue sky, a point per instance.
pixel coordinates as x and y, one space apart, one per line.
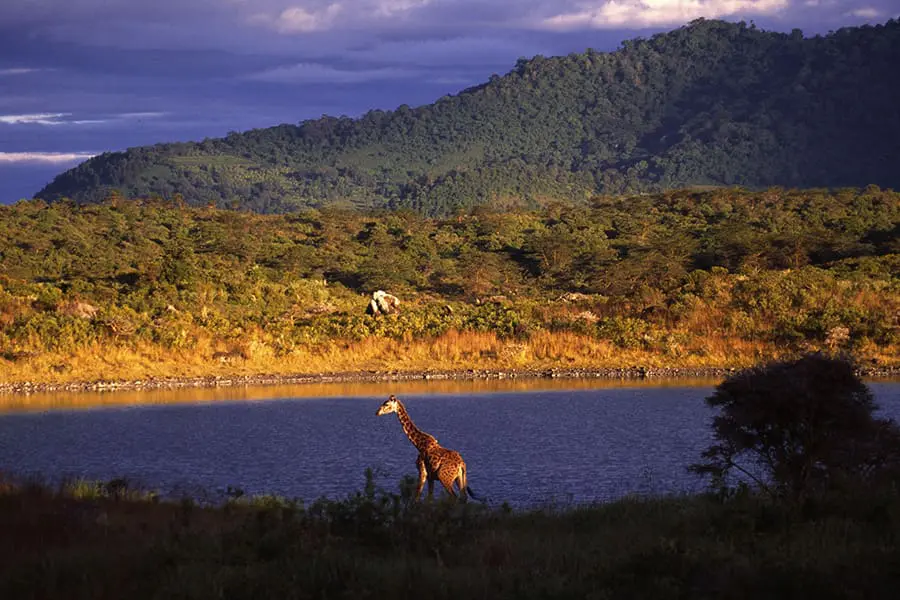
79 77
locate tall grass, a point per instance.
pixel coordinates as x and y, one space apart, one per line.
450 351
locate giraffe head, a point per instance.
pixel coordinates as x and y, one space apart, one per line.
390 406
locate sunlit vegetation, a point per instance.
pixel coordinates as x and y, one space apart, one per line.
133 289
709 104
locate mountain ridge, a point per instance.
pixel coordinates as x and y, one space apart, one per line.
710 103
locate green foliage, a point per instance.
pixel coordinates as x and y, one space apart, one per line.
709 104
626 332
798 429
649 270
503 320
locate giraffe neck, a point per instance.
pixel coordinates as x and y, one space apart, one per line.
419 438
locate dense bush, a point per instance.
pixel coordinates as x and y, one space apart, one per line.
799 428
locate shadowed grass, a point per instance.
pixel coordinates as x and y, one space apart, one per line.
376 544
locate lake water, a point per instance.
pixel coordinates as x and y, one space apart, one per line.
528 443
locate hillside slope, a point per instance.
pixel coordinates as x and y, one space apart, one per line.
712 103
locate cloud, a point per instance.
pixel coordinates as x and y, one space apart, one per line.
16 71
34 119
866 13
655 13
297 19
141 115
60 118
304 29
346 14
390 8
44 157
318 73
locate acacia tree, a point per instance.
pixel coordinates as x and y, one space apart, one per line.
798 427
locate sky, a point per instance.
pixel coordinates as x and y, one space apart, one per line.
80 77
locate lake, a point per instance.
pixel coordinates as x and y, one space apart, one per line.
525 442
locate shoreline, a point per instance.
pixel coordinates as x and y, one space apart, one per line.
628 373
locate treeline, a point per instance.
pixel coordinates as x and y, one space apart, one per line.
689 277
709 104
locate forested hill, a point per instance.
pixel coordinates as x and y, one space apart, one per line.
712 103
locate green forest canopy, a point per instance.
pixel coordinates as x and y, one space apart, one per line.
709 104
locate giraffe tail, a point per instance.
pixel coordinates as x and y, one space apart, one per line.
472 493
466 489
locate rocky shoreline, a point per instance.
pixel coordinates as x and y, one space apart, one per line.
629 373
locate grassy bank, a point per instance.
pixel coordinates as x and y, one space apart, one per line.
452 351
91 541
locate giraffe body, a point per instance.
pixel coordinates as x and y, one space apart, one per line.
434 462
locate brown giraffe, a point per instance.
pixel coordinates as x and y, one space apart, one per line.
435 463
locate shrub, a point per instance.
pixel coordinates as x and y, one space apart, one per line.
798 427
625 332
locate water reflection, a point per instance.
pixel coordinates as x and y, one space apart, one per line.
65 400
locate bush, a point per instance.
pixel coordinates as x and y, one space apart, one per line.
797 428
626 332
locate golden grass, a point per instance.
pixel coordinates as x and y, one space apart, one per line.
454 350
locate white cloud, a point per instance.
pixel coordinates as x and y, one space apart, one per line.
653 13
865 13
389 8
16 71
346 14
60 118
297 19
34 119
44 157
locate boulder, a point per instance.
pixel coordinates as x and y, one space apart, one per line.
382 303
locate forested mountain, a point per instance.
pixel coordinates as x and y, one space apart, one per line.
712 103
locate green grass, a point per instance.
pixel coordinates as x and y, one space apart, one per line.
375 544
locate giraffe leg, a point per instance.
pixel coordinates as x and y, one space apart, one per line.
448 485
430 488
423 475
463 484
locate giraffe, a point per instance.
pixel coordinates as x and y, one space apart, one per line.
435 463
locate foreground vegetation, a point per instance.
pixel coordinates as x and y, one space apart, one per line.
134 289
711 103
103 542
